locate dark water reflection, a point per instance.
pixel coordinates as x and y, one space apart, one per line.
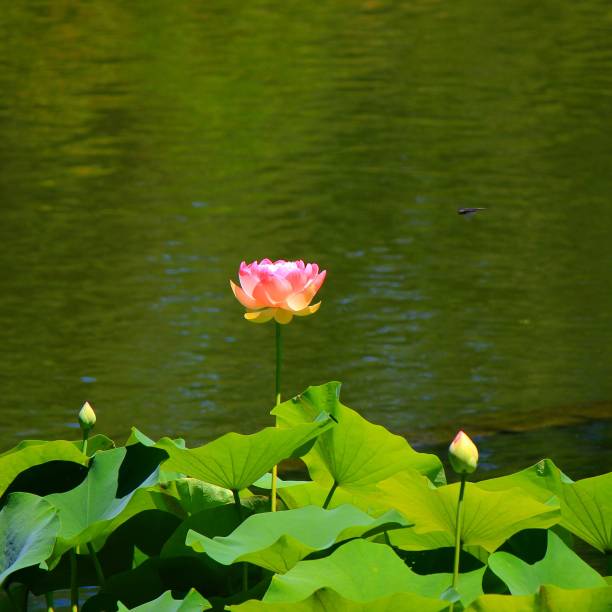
148 147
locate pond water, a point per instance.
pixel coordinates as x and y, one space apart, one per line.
148 147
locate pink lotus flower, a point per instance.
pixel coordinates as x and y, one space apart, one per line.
278 290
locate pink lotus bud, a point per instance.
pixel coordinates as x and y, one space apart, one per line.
463 454
278 290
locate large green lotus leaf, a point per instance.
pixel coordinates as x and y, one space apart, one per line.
355 453
490 517
87 511
28 528
31 453
586 510
549 599
586 505
541 481
193 602
236 461
363 571
277 541
326 599
560 566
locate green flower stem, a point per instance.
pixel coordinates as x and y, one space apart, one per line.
74 587
277 381
97 566
458 529
330 495
279 357
49 600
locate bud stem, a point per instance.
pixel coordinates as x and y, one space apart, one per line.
84 445
458 528
74 587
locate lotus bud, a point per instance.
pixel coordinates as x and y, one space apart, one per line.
87 417
463 454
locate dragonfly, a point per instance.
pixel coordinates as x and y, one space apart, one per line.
469 211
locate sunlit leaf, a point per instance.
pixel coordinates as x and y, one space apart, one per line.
192 602
490 517
277 541
326 599
560 567
28 528
586 505
586 510
369 499
236 461
362 571
549 599
540 480
355 454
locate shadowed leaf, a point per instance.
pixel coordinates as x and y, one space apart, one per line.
28 528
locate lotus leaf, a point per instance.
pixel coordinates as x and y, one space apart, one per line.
193 602
31 453
236 461
490 517
326 599
278 541
560 567
549 599
363 572
91 510
350 454
28 528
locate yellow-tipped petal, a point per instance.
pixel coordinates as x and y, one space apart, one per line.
308 310
260 316
246 300
283 316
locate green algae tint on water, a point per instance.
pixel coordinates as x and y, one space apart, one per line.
149 147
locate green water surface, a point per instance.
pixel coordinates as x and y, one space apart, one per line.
147 147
